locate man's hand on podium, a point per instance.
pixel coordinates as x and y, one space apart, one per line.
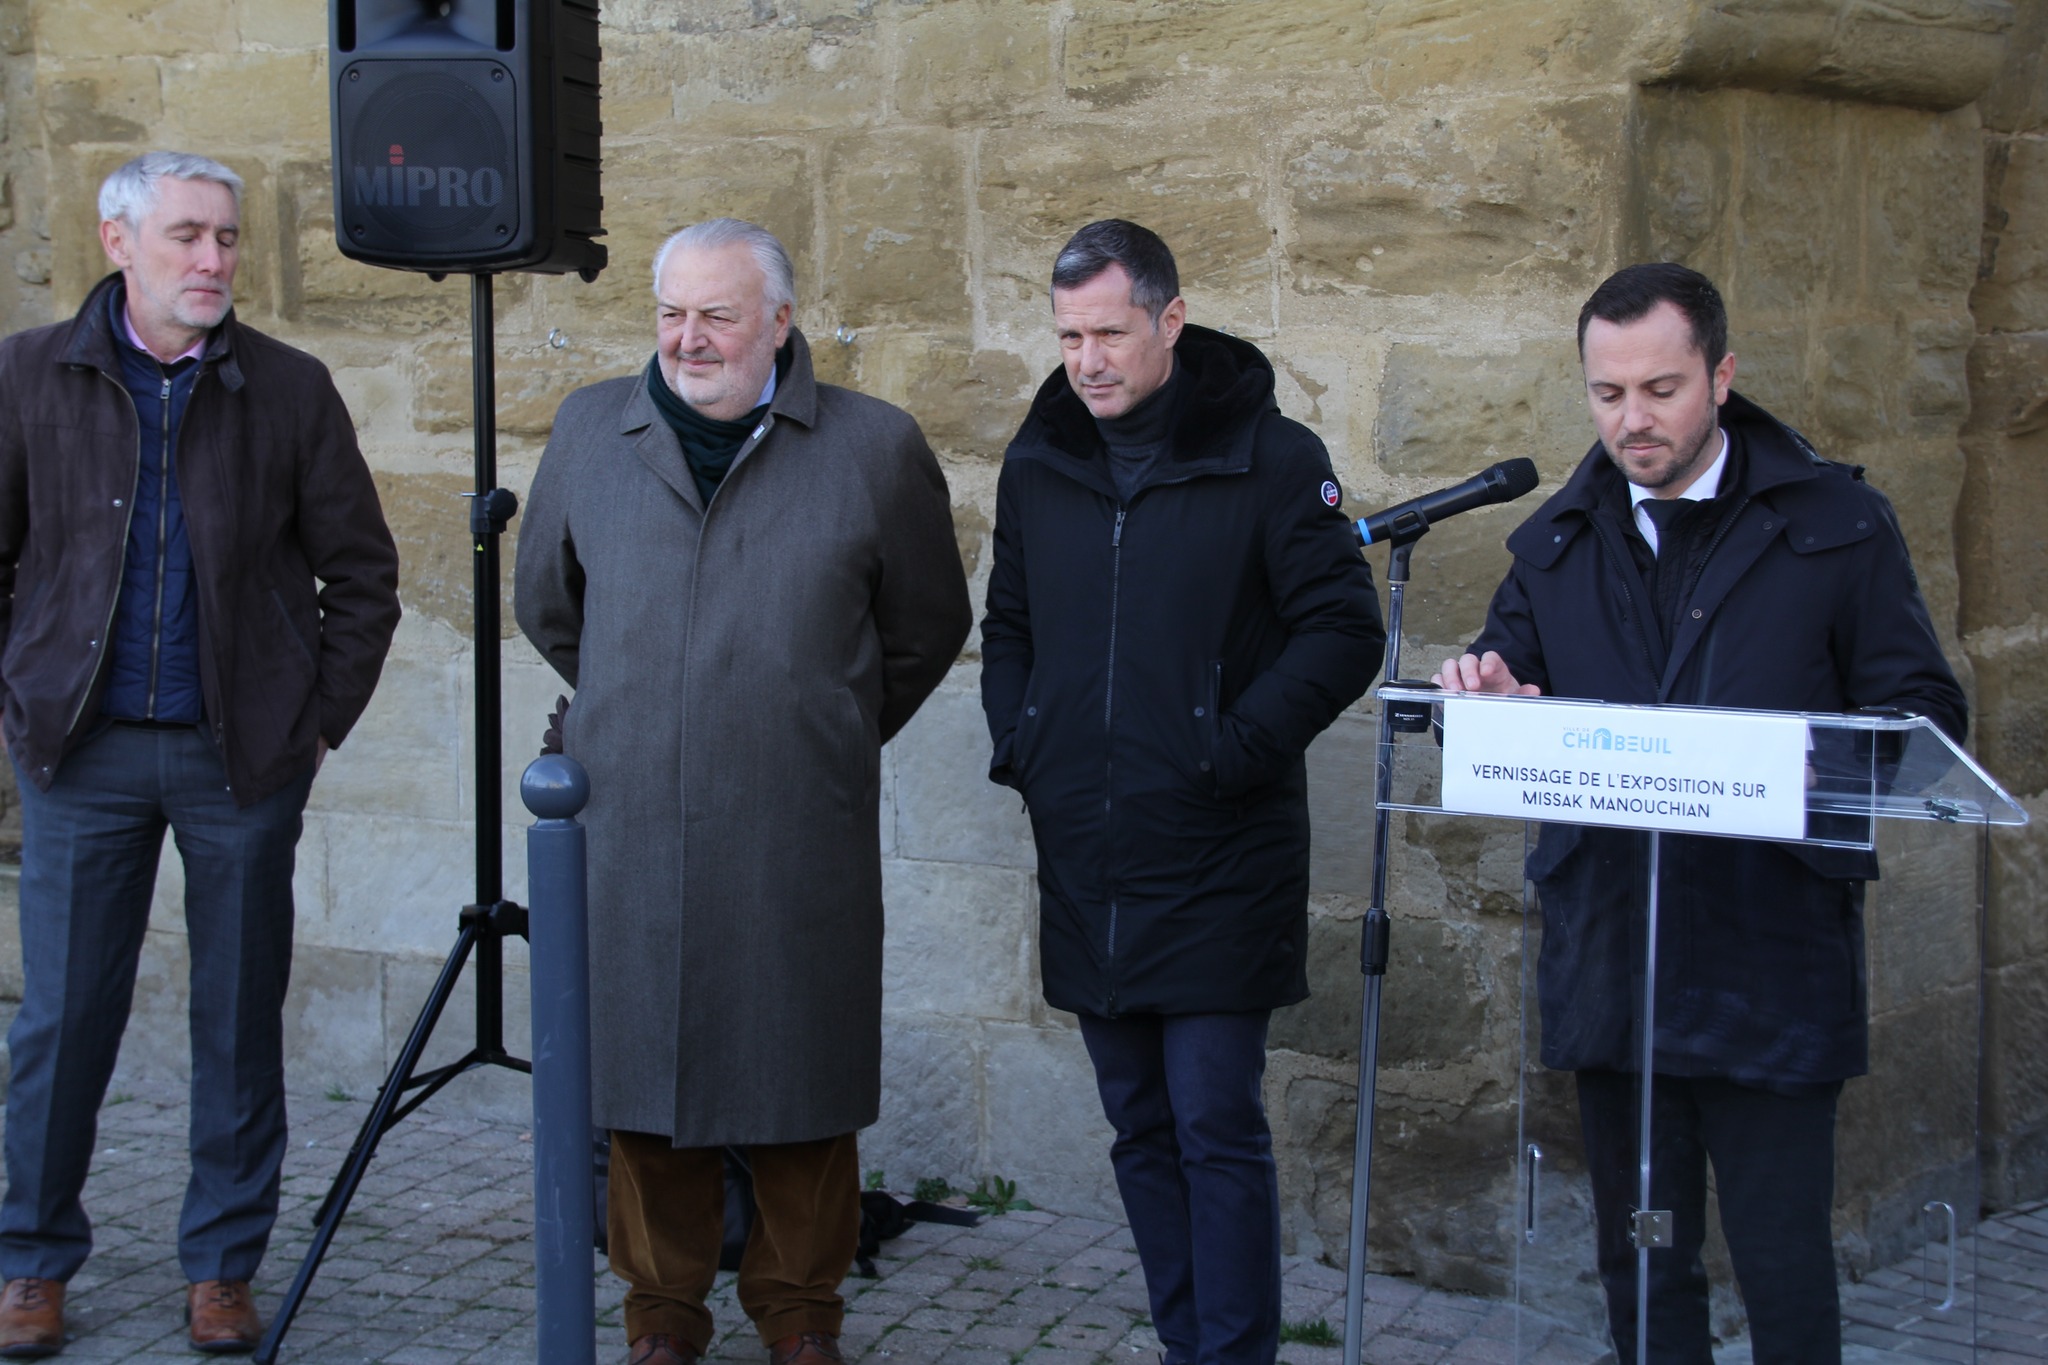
1486 672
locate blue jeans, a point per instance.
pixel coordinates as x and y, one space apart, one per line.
1194 1163
90 847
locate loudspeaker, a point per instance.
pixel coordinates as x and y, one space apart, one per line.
466 134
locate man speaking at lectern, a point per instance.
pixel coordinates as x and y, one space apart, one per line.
1703 554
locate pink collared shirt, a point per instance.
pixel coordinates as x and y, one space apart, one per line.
128 326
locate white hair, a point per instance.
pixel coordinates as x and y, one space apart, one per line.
778 275
130 193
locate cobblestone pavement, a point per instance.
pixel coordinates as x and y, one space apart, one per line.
1890 1318
433 1266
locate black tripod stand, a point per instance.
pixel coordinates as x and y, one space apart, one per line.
487 922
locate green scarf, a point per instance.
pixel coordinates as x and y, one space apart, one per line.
708 444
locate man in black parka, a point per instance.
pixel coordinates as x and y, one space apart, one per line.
1176 608
1702 554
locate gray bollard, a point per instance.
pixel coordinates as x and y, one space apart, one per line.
555 788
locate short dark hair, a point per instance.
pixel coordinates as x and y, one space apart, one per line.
1631 292
1155 282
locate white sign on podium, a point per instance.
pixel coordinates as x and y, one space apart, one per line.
1910 980
1681 769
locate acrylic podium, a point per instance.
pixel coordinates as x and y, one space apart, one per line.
1696 862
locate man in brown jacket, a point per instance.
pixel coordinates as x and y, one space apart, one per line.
751 579
197 590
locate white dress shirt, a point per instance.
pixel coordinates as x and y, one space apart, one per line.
1703 488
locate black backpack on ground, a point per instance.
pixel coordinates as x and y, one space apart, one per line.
882 1216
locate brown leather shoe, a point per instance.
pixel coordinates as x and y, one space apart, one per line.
31 1319
805 1348
223 1317
659 1348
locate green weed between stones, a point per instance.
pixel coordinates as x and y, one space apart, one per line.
1314 1332
997 1195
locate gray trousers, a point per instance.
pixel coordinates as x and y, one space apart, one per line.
90 847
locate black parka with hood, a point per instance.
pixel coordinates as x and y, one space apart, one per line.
1805 601
1153 671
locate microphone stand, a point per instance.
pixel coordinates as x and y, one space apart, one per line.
485 924
1372 948
1398 528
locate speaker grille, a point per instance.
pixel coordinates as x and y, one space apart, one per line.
432 157
467 134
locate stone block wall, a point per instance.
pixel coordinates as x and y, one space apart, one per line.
1403 201
2002 555
22 230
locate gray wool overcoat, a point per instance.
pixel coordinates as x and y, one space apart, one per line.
737 669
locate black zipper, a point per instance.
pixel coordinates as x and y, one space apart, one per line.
163 532
1110 1007
1116 559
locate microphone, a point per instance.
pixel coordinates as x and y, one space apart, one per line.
1406 521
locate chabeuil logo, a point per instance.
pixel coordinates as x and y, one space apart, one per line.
1332 495
1605 739
398 185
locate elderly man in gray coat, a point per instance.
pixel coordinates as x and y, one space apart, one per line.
751 580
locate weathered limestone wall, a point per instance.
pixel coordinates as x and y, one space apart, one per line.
1403 201
24 227
2002 557
21 222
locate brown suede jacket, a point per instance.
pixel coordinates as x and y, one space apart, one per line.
276 496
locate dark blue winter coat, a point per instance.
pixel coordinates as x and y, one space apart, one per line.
1152 672
1806 601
